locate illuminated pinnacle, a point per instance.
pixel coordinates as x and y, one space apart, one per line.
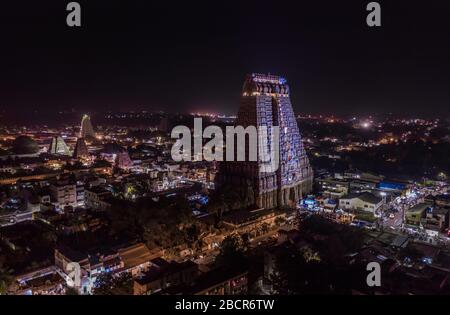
87 131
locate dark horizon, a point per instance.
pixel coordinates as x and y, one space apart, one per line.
179 57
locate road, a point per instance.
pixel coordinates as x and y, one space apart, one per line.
400 205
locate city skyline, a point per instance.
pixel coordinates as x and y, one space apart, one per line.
116 214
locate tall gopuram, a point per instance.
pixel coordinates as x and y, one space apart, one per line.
265 101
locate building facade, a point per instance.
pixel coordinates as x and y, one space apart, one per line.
64 193
265 102
95 198
364 201
58 146
81 149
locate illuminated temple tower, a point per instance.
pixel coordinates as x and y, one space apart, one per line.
87 131
81 149
123 160
265 102
58 146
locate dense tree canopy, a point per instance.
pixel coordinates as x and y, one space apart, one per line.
166 222
6 278
232 252
322 266
109 284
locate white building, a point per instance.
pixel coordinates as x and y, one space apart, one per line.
64 193
365 201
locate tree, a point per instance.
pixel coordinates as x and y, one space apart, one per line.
193 233
265 227
300 272
110 284
6 278
310 255
232 253
246 240
217 205
409 252
322 267
166 223
232 198
223 200
279 221
124 218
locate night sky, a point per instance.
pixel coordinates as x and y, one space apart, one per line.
193 55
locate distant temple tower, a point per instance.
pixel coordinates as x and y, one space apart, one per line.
123 160
58 146
87 131
265 101
81 149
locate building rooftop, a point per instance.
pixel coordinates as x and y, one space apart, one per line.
419 208
268 78
97 190
400 241
173 267
244 216
214 278
135 255
70 253
365 196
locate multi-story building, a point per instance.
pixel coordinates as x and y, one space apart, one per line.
186 278
162 275
266 103
221 282
80 193
365 201
414 215
333 187
132 258
95 198
64 193
443 200
254 223
435 221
